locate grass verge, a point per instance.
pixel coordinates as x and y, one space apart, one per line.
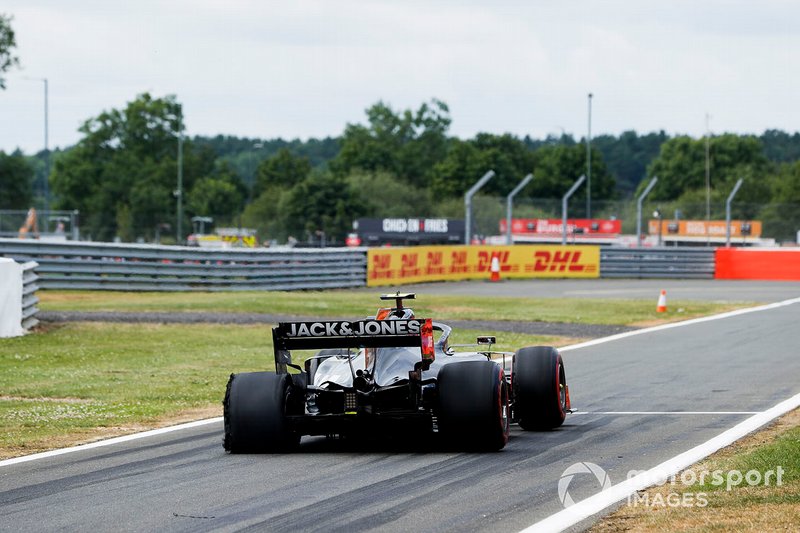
344 303
760 503
78 382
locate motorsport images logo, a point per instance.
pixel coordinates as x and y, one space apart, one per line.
580 468
677 496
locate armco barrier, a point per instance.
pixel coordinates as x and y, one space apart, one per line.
758 264
71 265
80 265
663 262
29 298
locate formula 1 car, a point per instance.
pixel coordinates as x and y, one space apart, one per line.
389 373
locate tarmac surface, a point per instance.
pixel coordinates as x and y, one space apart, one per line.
642 399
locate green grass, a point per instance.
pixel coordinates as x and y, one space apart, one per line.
76 381
755 508
353 304
784 451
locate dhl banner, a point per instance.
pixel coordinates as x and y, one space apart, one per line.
394 266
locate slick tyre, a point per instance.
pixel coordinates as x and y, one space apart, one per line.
473 405
539 388
254 411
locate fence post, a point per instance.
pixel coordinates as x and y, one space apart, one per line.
728 212
564 208
639 210
510 205
468 203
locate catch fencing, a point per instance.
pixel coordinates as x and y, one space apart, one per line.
129 267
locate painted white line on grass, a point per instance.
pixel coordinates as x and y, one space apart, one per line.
109 442
600 501
671 325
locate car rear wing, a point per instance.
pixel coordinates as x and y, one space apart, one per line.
318 335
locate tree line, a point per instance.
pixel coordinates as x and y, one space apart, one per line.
121 175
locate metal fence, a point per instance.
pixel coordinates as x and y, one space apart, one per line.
681 263
29 298
175 268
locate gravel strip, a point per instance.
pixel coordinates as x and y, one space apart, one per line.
558 329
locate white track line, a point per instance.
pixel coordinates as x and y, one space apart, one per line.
671 325
666 413
109 442
600 501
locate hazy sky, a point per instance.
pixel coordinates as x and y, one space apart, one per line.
305 68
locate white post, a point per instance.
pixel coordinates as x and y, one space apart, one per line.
639 210
510 205
564 208
728 212
468 204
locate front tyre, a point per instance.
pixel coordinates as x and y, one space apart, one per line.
539 388
473 405
255 413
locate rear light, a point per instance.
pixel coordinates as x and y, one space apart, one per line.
428 352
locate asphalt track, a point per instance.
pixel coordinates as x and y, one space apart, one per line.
183 481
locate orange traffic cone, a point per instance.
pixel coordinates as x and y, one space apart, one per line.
495 269
662 302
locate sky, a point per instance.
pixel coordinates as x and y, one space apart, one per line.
307 68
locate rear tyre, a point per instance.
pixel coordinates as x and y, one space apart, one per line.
473 405
539 388
255 413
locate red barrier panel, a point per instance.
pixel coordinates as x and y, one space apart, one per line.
749 263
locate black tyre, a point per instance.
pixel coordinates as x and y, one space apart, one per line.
539 388
473 405
255 413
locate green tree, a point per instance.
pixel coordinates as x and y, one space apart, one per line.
628 156
557 167
284 169
406 144
780 147
16 181
323 202
456 173
7 44
220 194
127 161
386 196
782 216
680 167
268 214
467 161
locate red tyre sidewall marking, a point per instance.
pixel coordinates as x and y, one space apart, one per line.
558 386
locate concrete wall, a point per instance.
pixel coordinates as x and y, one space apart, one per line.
10 298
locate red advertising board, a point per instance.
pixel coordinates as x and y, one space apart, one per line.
554 226
760 264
